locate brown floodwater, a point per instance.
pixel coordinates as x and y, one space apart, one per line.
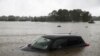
16 35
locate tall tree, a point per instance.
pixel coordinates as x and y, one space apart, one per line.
86 16
11 18
3 18
75 14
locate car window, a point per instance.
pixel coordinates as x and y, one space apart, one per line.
74 41
42 43
59 43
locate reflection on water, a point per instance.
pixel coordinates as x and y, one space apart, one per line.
66 52
76 51
15 35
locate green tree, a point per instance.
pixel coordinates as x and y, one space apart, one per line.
86 16
11 18
79 15
75 14
60 15
3 18
52 16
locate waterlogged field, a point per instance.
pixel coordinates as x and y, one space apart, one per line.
16 35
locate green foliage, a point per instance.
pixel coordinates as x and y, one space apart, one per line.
76 15
11 18
61 15
3 18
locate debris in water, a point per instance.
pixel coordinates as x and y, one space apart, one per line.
59 26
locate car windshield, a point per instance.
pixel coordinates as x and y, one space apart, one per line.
41 43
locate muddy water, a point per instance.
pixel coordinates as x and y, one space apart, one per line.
16 35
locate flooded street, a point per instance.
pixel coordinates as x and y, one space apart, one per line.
16 35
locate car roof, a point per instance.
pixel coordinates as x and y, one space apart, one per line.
56 36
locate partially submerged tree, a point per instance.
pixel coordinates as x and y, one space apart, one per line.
72 15
61 15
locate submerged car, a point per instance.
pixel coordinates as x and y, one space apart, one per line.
58 41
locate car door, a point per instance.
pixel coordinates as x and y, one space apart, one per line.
74 41
59 43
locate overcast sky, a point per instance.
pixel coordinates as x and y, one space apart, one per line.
43 7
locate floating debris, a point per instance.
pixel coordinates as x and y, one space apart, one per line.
59 26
